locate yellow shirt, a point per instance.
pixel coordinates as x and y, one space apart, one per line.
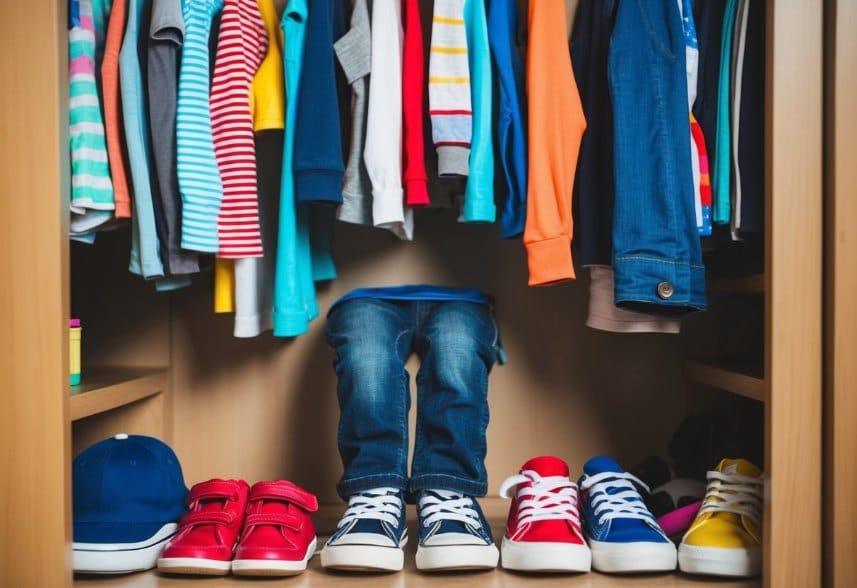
224 286
267 92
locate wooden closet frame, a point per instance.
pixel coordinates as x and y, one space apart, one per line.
35 438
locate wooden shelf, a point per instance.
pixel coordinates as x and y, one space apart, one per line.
316 577
104 389
739 376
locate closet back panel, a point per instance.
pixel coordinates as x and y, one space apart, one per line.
263 408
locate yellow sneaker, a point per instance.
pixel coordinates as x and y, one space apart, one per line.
725 539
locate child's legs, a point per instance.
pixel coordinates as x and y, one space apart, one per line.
456 343
371 340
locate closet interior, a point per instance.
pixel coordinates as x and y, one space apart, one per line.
164 365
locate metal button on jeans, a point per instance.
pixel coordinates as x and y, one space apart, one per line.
665 290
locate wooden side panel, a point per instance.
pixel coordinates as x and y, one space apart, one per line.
793 294
840 341
34 348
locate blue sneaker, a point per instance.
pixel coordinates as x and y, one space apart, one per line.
622 534
454 534
371 534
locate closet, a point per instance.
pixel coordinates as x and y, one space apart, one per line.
165 365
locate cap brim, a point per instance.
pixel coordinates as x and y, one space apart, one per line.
115 532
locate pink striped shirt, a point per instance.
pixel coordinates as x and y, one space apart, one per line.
241 47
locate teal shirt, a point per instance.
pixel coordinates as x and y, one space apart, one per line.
720 177
479 194
145 249
294 290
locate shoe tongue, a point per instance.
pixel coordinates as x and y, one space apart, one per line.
547 465
368 526
452 526
601 464
738 466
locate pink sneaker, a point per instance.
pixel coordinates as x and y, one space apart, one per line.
543 530
208 534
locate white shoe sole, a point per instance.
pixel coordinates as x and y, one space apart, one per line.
531 556
627 558
120 558
457 557
195 566
719 561
272 567
363 558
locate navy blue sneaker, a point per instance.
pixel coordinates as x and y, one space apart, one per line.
370 535
454 534
622 534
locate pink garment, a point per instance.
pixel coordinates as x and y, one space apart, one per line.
606 316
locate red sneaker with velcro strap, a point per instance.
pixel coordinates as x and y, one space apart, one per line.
279 535
207 535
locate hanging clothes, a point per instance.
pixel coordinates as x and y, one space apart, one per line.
318 159
145 246
604 315
242 44
751 139
92 202
198 175
294 290
413 101
555 128
721 172
383 152
354 52
736 79
511 115
594 186
708 17
479 192
112 114
449 88
166 36
657 257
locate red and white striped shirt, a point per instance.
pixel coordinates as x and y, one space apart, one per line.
241 46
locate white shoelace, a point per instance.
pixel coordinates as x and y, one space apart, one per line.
448 506
382 504
624 502
546 498
733 493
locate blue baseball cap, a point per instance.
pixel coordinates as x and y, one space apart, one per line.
124 489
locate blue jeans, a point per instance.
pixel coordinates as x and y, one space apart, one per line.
457 345
657 256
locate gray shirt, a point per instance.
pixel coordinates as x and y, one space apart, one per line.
354 51
166 35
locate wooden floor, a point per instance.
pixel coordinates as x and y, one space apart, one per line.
316 577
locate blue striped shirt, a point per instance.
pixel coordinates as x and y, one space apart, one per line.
199 178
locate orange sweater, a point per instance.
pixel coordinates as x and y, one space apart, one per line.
556 126
112 114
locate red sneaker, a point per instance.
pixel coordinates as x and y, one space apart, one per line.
208 533
279 535
543 530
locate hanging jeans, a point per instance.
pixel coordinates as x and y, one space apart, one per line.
457 343
657 255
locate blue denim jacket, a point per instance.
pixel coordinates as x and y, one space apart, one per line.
657 256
